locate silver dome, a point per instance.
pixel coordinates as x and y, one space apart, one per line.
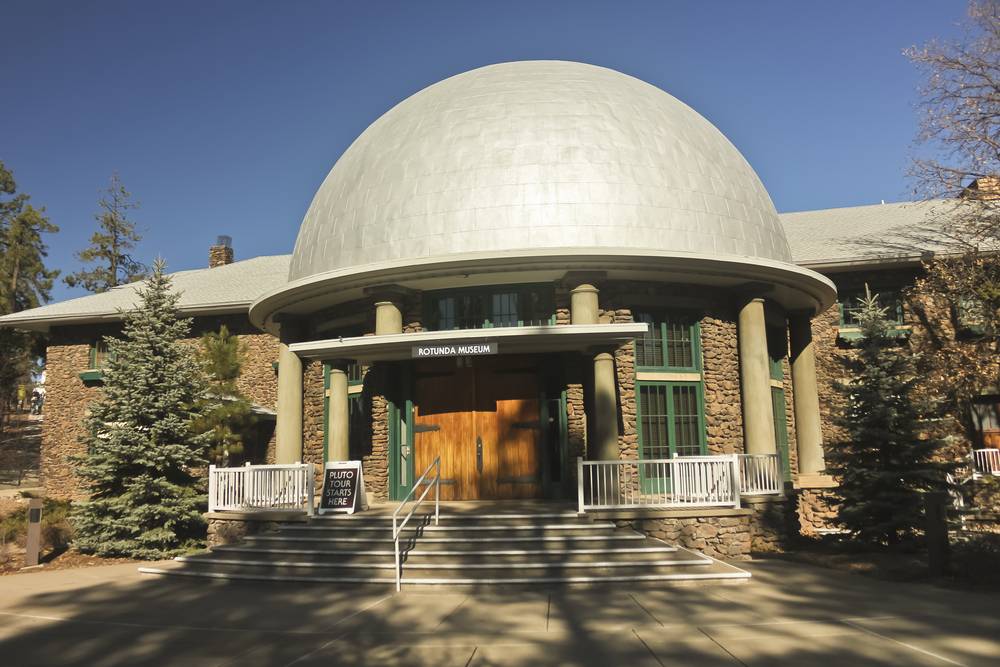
535 155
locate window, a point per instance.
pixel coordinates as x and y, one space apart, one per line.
850 304
671 419
99 354
487 307
672 341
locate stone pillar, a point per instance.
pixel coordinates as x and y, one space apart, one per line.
603 445
388 318
583 306
339 445
755 380
288 429
808 428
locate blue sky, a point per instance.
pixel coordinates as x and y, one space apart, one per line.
224 117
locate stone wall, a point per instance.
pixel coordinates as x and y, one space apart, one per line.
721 377
66 404
313 408
771 523
816 510
375 461
68 399
724 537
226 531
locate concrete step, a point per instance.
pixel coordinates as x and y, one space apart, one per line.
353 542
637 552
457 531
385 578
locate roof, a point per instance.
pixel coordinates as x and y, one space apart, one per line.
823 238
223 289
834 237
536 155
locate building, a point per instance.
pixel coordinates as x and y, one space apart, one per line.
517 267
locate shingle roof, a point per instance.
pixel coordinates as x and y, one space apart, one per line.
223 289
858 233
817 238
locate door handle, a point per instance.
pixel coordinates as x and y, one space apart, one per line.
479 454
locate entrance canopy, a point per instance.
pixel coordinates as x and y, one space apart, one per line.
551 338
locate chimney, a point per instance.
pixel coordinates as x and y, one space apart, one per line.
221 253
983 188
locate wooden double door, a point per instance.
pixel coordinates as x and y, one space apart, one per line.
483 418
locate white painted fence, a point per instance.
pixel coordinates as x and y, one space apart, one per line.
261 487
686 481
987 461
761 475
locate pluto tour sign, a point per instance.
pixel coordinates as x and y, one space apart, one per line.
453 350
343 487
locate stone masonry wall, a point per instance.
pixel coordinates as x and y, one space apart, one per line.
722 537
313 399
816 510
68 399
66 404
721 378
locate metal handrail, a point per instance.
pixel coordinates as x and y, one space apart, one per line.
397 529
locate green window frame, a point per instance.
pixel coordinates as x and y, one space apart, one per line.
489 307
673 342
890 299
99 354
781 430
671 422
671 419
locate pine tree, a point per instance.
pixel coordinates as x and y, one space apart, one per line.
110 244
888 460
25 282
226 412
143 456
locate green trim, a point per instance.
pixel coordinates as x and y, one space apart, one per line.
326 413
781 430
394 414
852 334
671 435
93 376
694 331
485 292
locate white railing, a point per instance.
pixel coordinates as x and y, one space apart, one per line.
760 475
686 481
261 487
987 461
398 526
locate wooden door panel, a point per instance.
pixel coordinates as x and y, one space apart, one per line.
443 423
496 402
513 430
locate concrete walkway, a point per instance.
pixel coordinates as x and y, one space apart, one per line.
790 614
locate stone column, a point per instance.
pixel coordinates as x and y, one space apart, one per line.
388 318
805 396
288 429
339 445
755 380
603 445
583 306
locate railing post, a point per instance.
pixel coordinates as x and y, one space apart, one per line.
212 489
736 481
579 484
311 486
399 569
437 491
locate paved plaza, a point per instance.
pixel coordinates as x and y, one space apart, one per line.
790 614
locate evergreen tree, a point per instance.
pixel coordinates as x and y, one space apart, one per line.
143 460
110 244
888 460
25 282
226 412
